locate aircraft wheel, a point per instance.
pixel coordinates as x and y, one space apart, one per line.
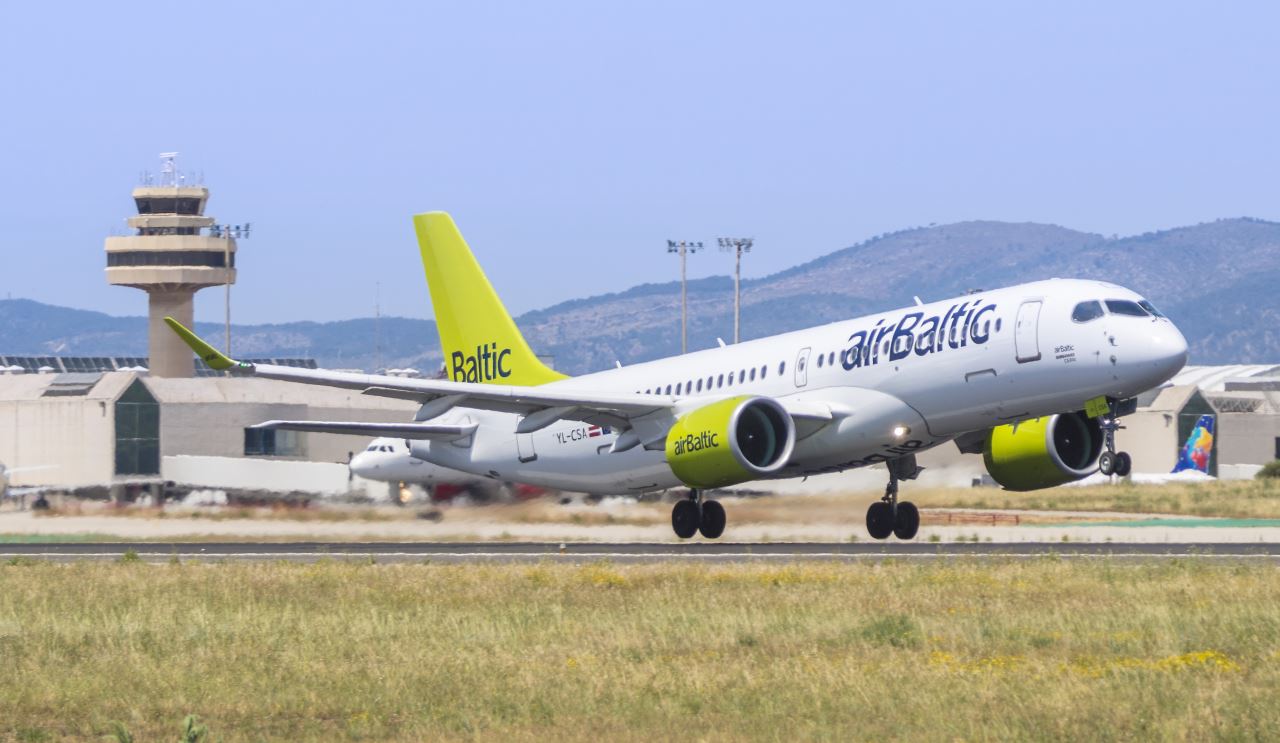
713 519
1107 463
685 518
907 521
1124 463
880 520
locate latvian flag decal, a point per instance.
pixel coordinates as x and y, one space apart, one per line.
598 431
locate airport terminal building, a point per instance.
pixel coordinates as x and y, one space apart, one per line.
126 433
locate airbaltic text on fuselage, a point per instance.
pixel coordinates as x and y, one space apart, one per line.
916 333
487 364
691 443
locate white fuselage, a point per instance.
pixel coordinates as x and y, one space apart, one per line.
389 460
895 383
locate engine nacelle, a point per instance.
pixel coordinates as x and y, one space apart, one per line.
1043 452
731 441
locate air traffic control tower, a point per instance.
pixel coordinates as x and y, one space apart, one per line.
175 252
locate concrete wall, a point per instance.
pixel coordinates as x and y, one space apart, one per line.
1151 438
71 440
1247 438
265 475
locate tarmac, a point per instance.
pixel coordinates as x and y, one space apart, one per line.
475 525
631 552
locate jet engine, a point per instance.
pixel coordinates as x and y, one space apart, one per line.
730 441
1043 452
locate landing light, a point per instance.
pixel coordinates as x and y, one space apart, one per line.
900 431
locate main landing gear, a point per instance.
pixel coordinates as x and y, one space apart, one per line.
1112 462
693 515
889 515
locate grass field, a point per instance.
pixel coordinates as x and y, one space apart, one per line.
1042 649
1227 498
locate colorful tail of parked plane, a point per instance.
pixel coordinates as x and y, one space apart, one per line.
1196 452
481 342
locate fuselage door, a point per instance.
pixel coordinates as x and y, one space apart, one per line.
1026 336
802 367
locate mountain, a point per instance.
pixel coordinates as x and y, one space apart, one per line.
1217 280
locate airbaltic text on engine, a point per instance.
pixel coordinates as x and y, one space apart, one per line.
924 335
691 443
486 365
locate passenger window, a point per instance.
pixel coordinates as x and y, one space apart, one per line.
719 381
742 376
709 381
782 367
764 370
1086 311
699 385
668 389
998 323
1144 304
679 387
831 358
753 374
1125 307
819 361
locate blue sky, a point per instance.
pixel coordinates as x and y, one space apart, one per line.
570 140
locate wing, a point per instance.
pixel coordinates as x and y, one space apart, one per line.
540 406
417 431
639 419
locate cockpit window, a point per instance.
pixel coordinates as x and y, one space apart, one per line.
1144 304
1125 307
1086 311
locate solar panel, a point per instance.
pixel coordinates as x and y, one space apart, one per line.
98 364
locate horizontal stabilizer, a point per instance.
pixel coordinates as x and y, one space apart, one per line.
416 431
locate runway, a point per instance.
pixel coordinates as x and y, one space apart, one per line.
632 552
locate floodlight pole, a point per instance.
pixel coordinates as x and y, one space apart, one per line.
738 245
228 233
226 270
683 247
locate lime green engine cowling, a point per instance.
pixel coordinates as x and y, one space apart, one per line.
1043 452
730 441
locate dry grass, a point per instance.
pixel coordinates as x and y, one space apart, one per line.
281 512
1226 498
1042 649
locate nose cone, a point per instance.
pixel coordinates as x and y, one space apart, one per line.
1174 349
1152 355
364 464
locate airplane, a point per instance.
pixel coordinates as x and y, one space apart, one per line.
391 460
1195 454
1034 377
20 493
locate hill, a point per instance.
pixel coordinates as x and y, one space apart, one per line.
1216 280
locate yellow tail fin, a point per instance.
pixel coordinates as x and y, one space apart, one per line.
480 340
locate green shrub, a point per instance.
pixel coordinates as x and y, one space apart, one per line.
1269 471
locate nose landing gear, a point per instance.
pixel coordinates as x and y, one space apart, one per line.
889 515
693 515
1112 462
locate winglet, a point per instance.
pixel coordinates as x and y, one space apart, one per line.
207 353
